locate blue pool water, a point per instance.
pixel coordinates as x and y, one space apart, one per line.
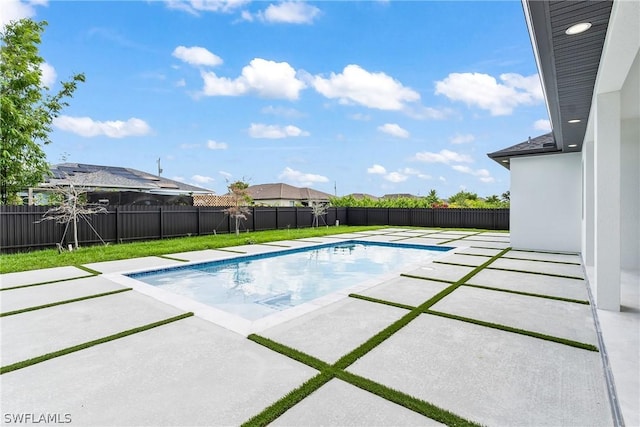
259 285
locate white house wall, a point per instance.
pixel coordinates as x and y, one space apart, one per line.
546 202
630 169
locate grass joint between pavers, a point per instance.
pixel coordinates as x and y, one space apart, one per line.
49 282
73 349
68 301
381 301
505 328
529 294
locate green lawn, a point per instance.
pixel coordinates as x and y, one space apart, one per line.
51 258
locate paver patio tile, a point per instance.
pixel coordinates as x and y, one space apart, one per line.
490 376
189 372
451 273
489 238
333 331
479 251
34 333
18 299
539 267
447 236
532 283
9 280
561 319
467 260
423 241
338 403
203 255
132 264
405 290
482 244
543 256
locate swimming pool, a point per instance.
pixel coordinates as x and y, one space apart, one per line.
256 286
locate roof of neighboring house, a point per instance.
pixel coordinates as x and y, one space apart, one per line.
113 177
283 191
542 144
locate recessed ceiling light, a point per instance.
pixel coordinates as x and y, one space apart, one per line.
574 121
573 145
578 28
505 161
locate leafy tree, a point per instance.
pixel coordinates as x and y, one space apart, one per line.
493 199
27 108
432 197
506 196
240 197
462 198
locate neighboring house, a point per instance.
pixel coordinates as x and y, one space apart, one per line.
118 185
286 195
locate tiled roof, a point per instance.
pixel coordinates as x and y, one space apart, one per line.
539 145
112 177
282 191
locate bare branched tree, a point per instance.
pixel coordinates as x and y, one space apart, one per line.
72 208
239 210
319 209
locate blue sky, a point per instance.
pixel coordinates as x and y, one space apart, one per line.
373 97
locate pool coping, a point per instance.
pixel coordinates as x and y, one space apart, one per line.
245 327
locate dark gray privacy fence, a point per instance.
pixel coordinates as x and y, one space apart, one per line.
20 229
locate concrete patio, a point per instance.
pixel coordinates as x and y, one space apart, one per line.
494 336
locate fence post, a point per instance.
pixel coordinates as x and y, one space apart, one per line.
117 225
198 221
161 223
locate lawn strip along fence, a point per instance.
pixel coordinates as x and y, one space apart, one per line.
21 228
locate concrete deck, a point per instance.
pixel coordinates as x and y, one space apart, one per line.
195 372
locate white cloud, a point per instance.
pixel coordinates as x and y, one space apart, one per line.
394 130
543 125
373 90
14 10
268 79
49 75
410 171
195 6
213 145
87 127
421 112
289 12
462 138
258 130
442 178
377 169
181 83
395 177
444 156
300 178
227 175
485 92
200 179
196 55
482 174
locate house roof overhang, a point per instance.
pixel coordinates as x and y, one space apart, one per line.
567 64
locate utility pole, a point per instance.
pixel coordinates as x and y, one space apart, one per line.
335 189
159 168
